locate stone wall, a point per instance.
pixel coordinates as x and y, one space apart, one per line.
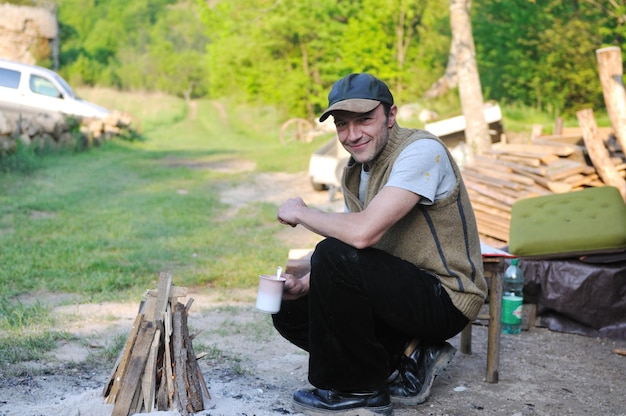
29 34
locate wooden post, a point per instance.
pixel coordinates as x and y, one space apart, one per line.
558 126
494 266
611 78
598 153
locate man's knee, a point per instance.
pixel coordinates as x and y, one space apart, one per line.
330 250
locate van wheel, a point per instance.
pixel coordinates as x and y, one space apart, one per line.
318 186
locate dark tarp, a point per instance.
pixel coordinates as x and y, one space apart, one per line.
578 297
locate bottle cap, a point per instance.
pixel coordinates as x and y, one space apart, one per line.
514 262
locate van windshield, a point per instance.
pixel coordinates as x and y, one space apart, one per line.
65 86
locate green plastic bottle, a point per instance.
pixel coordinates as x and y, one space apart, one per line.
512 299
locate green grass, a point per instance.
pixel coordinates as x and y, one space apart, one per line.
25 333
103 223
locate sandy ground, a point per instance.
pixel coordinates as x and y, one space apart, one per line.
251 370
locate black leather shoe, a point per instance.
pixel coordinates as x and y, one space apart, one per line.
334 402
417 372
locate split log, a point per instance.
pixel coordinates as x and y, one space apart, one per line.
598 153
188 390
611 77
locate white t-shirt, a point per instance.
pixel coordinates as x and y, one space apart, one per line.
423 168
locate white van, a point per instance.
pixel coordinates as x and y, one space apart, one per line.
33 89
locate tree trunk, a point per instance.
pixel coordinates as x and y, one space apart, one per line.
446 82
611 72
476 129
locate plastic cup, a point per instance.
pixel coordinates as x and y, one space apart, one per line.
270 293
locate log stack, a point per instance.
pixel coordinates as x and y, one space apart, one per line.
158 369
508 172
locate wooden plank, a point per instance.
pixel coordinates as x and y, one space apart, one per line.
497 213
490 180
497 233
148 379
162 400
563 168
484 190
175 292
528 161
168 356
585 180
488 219
477 198
577 152
554 186
499 174
537 170
538 149
149 308
490 163
136 365
136 402
165 284
574 178
112 386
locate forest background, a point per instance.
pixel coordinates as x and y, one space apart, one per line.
286 53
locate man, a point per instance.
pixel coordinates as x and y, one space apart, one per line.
399 272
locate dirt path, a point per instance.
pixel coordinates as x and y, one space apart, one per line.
251 370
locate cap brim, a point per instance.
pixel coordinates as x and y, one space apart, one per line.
353 105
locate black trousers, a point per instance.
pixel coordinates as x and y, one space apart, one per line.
362 309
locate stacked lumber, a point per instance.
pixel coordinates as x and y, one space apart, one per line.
158 369
508 172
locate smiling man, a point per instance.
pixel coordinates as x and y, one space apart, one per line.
398 273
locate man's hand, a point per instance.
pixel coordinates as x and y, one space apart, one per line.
295 288
288 210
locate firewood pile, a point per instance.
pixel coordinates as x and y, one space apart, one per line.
49 129
157 370
553 164
508 172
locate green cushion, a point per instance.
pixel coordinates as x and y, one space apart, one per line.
576 223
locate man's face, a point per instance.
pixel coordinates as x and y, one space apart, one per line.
364 135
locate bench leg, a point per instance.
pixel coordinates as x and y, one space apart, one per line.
495 328
466 339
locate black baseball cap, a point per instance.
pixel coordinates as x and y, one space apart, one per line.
357 93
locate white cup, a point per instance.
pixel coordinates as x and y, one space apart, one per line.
270 293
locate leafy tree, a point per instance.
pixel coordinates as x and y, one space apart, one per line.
289 52
541 52
143 44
